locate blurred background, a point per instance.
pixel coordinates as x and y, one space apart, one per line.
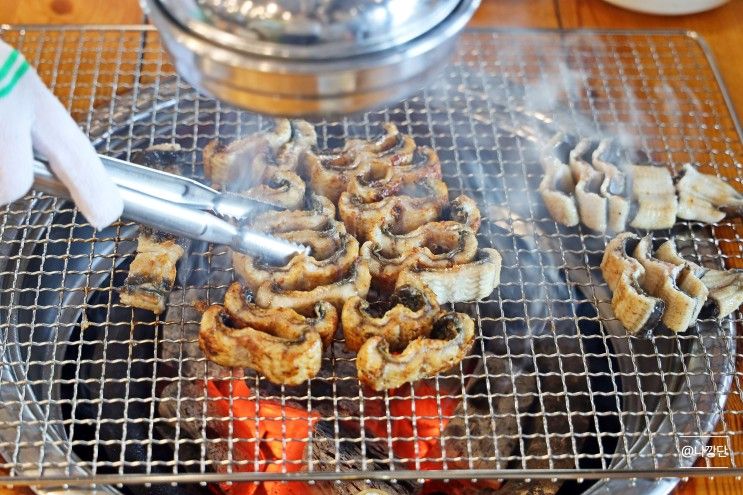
721 27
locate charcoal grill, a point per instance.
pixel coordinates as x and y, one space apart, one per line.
554 389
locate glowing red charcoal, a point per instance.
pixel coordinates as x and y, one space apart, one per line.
272 434
408 406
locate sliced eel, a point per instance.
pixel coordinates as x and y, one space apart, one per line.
470 281
557 150
725 290
316 213
391 143
557 186
449 238
607 159
382 179
407 314
633 307
435 245
330 174
152 272
353 283
245 313
421 203
290 156
580 158
463 209
593 208
655 195
303 272
556 189
688 279
234 165
278 187
287 353
703 197
661 280
448 343
323 242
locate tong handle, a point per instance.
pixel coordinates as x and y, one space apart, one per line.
180 220
169 187
150 210
182 190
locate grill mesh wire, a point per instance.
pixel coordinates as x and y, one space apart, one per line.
657 390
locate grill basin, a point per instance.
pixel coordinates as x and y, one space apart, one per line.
554 387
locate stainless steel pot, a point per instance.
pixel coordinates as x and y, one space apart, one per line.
309 57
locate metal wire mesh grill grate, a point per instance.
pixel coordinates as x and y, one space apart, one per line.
553 386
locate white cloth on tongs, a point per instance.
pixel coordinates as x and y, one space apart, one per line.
31 117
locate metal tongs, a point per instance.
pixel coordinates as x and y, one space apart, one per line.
183 207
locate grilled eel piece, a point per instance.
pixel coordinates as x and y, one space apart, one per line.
663 286
407 314
355 282
443 255
152 272
704 197
653 191
246 314
663 280
231 165
600 185
317 211
420 203
278 343
466 282
723 289
330 174
607 159
303 271
464 210
263 165
448 342
290 155
385 266
557 185
593 208
382 179
278 187
633 306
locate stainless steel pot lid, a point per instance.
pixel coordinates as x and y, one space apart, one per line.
309 57
309 29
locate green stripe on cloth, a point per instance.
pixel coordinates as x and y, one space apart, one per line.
5 90
8 64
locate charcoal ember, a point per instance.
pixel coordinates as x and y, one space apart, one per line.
203 283
476 422
179 346
328 453
183 402
355 486
113 413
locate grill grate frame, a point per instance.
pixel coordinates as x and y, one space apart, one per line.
595 81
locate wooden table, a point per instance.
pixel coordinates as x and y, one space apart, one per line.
722 28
